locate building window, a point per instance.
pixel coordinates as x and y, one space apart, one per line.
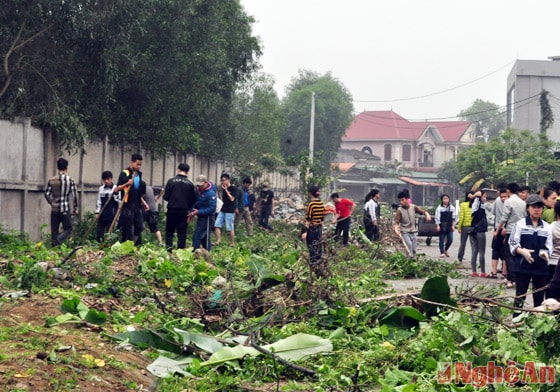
367 150
407 153
387 155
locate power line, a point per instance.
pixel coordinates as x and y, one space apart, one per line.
498 110
523 102
437 92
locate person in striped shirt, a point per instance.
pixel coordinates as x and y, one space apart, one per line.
58 192
314 224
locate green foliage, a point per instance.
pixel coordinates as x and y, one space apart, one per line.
333 113
512 156
547 116
332 325
490 120
155 73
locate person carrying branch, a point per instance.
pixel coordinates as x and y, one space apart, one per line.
131 217
344 209
405 222
106 206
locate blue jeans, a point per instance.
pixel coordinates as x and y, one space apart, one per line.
445 241
201 236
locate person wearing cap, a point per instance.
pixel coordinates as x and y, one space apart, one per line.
530 243
265 206
180 196
204 209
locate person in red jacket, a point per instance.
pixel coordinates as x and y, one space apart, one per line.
344 210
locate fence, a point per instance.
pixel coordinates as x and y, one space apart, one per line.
28 158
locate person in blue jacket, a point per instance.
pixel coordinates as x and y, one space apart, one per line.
531 245
204 209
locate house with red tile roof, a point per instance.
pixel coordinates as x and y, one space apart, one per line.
420 145
419 148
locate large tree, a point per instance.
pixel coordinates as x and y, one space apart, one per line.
257 120
161 73
487 116
512 156
333 114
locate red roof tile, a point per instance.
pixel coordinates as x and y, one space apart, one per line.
384 125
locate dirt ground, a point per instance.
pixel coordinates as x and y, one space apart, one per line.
69 356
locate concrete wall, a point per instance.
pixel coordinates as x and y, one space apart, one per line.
28 158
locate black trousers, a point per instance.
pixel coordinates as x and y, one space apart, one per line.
342 227
176 221
57 218
314 242
131 222
522 285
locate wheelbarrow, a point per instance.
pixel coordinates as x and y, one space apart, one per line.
427 229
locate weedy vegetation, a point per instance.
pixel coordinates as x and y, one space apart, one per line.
254 317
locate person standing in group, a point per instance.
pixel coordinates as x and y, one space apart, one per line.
227 213
514 210
549 197
530 243
524 192
204 209
128 184
445 222
405 222
498 252
464 224
106 206
180 196
479 227
344 209
246 204
151 215
58 192
265 206
314 214
555 256
372 211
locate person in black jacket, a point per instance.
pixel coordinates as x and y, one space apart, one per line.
129 186
180 196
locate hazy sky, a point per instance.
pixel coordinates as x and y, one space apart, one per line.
449 52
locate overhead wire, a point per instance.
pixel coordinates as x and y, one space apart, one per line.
523 102
437 92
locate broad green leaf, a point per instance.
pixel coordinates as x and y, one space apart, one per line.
147 338
63 318
436 289
185 255
207 343
226 354
262 273
75 306
124 248
166 367
95 317
403 316
299 346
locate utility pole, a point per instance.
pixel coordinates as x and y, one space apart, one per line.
311 130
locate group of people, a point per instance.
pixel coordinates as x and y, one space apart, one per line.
130 203
526 236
